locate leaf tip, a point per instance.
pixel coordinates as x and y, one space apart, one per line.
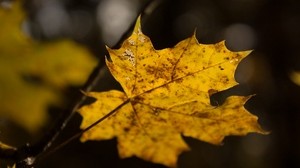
110 50
137 27
195 33
107 48
194 36
264 132
246 53
258 129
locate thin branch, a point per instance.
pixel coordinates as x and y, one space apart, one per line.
86 129
27 154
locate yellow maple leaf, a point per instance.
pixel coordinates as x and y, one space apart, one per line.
56 64
167 95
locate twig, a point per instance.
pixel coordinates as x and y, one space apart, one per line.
27 155
86 129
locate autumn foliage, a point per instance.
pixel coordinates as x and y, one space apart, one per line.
54 65
167 95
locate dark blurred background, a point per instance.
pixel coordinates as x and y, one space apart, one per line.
270 27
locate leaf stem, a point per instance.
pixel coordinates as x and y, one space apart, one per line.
86 129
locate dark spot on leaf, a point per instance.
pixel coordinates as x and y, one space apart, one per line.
179 80
154 139
218 47
211 124
126 129
201 114
34 79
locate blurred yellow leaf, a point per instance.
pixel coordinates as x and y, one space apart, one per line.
295 77
13 166
166 95
4 146
55 65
